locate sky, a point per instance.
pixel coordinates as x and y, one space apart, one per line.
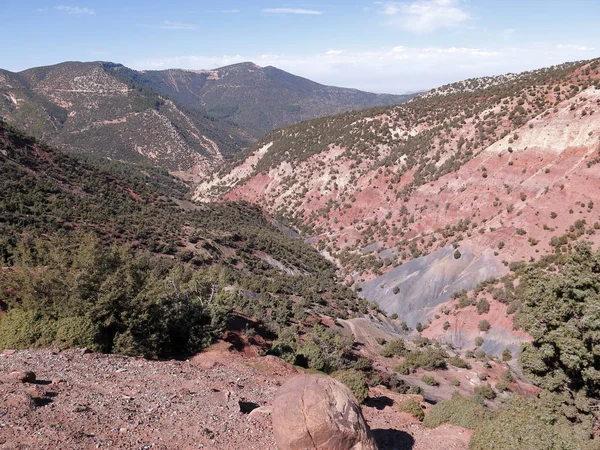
379 46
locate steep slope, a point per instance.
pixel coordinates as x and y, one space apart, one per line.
47 194
89 108
258 99
501 169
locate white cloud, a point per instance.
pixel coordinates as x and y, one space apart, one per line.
291 11
231 11
75 10
423 16
395 69
580 48
168 25
508 33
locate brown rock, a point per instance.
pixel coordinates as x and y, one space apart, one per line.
9 352
318 412
22 376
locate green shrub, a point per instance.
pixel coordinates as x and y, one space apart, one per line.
507 376
459 362
486 391
325 349
393 348
483 306
506 355
501 386
76 332
527 424
455 382
412 406
356 382
429 380
478 341
483 325
429 359
22 329
459 411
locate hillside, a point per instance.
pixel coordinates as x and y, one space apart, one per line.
88 108
89 222
112 258
258 99
441 193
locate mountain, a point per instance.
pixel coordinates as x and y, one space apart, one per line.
176 119
89 108
258 99
436 195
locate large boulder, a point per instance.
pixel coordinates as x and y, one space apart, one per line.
319 412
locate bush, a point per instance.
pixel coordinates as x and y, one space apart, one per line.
502 386
527 423
76 332
459 362
483 325
486 391
508 376
483 306
459 411
325 350
393 348
412 406
356 382
506 355
429 380
429 359
479 341
116 302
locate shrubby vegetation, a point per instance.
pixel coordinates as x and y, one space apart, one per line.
75 292
111 256
458 410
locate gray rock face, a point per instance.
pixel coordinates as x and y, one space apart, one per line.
318 412
429 281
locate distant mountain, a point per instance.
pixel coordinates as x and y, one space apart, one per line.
91 108
258 99
176 119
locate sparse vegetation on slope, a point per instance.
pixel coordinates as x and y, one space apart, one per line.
112 256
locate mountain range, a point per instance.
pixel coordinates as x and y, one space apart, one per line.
176 119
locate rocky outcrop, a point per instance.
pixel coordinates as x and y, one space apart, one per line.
319 412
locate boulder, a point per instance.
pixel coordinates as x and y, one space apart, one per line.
318 412
23 376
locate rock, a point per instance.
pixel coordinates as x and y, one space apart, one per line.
22 376
20 402
319 412
264 410
9 352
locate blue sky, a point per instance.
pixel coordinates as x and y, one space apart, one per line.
380 46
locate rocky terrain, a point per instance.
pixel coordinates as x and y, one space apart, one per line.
258 99
441 193
217 400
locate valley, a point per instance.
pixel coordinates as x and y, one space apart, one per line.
170 262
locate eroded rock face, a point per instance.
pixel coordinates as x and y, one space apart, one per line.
319 412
